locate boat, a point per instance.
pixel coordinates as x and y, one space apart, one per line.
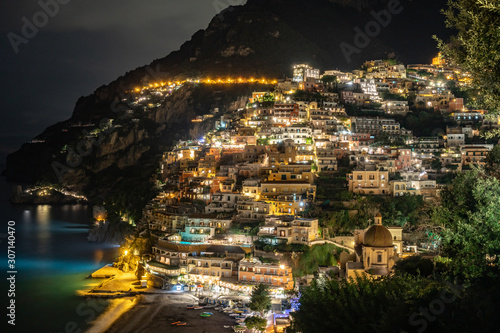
237 311
206 314
175 323
198 307
181 324
190 307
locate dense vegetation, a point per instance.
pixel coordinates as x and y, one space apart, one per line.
474 47
456 292
396 304
318 255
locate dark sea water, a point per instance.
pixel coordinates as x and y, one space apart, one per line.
53 259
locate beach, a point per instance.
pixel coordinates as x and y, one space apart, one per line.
156 313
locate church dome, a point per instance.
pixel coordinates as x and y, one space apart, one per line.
378 236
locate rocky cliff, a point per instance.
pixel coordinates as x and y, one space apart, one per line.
260 38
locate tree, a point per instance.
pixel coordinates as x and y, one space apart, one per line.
366 305
260 300
329 78
140 271
436 164
256 322
493 162
414 265
476 48
470 213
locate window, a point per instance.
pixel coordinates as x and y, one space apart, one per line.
379 257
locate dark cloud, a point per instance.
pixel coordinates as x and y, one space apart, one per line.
86 44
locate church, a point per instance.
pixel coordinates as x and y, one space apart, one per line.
374 251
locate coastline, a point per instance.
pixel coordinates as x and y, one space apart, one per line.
115 309
157 312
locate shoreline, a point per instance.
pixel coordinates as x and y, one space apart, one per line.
113 312
157 312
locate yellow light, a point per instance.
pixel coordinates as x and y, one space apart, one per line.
126 252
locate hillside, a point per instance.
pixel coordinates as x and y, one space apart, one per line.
262 38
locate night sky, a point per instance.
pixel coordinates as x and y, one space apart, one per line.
88 43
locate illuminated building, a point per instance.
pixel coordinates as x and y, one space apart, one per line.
302 72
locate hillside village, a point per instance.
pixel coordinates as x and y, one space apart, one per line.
243 203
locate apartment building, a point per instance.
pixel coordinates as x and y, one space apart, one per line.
475 154
161 220
222 202
286 113
369 180
375 125
201 227
252 271
252 211
210 267
411 187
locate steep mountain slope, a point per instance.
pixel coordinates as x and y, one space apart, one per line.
262 38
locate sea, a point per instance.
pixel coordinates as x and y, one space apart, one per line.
53 260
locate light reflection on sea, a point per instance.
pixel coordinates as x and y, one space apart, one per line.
53 260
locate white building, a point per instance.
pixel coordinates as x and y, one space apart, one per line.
302 72
222 203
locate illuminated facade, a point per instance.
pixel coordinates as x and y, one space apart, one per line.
255 272
302 72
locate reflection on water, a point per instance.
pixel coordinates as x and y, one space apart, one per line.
53 259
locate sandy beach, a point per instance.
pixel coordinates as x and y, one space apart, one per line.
156 313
